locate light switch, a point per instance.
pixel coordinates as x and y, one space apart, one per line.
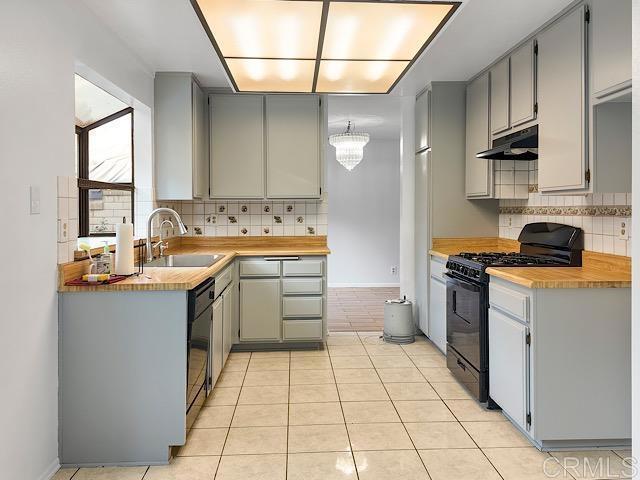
34 196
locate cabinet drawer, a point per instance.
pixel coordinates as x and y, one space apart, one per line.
302 329
223 279
437 269
310 307
509 301
302 268
259 268
302 286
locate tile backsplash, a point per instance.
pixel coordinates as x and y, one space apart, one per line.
604 217
67 198
252 218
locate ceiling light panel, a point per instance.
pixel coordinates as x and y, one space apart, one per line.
344 76
380 31
264 28
336 46
262 75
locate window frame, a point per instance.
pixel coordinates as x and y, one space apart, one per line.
85 184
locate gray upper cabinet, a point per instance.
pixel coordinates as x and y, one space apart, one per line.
180 134
611 46
237 146
522 92
561 95
423 103
500 96
479 172
293 146
200 143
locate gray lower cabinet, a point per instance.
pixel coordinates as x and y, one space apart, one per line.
260 310
217 340
509 365
228 320
562 144
438 304
560 363
282 299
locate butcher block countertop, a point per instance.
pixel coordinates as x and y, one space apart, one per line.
599 270
186 278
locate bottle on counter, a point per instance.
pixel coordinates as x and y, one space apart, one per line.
104 261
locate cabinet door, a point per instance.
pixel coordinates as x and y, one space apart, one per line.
500 96
260 316
422 239
216 340
479 172
508 364
561 98
200 144
236 146
611 45
173 135
438 313
228 300
523 91
423 104
293 146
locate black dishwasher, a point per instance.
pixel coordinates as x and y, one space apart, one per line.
200 314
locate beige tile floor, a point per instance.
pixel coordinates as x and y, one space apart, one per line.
360 409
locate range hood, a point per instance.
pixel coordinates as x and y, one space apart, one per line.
521 145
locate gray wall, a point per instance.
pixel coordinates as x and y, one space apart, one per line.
364 216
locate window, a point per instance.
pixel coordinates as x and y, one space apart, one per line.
105 173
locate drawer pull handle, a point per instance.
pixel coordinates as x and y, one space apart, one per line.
461 365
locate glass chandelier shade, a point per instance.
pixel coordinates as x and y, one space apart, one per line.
349 147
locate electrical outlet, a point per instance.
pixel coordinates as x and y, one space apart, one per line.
623 234
394 270
34 199
510 221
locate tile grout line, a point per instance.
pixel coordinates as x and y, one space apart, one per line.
457 420
344 419
402 421
235 407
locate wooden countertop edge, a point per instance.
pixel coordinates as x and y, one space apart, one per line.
195 275
504 274
606 275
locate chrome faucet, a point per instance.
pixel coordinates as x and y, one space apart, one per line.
181 227
162 244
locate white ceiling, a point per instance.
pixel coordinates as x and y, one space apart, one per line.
377 115
167 36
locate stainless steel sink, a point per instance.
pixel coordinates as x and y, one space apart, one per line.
185 261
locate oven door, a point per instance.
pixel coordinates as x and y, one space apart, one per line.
464 318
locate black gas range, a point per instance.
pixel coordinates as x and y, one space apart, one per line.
541 245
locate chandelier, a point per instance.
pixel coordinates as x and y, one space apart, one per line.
349 147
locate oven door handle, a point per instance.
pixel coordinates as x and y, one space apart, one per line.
464 284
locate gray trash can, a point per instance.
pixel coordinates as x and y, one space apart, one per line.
398 321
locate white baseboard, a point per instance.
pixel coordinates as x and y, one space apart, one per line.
363 285
51 470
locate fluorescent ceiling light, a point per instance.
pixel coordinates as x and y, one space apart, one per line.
327 46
